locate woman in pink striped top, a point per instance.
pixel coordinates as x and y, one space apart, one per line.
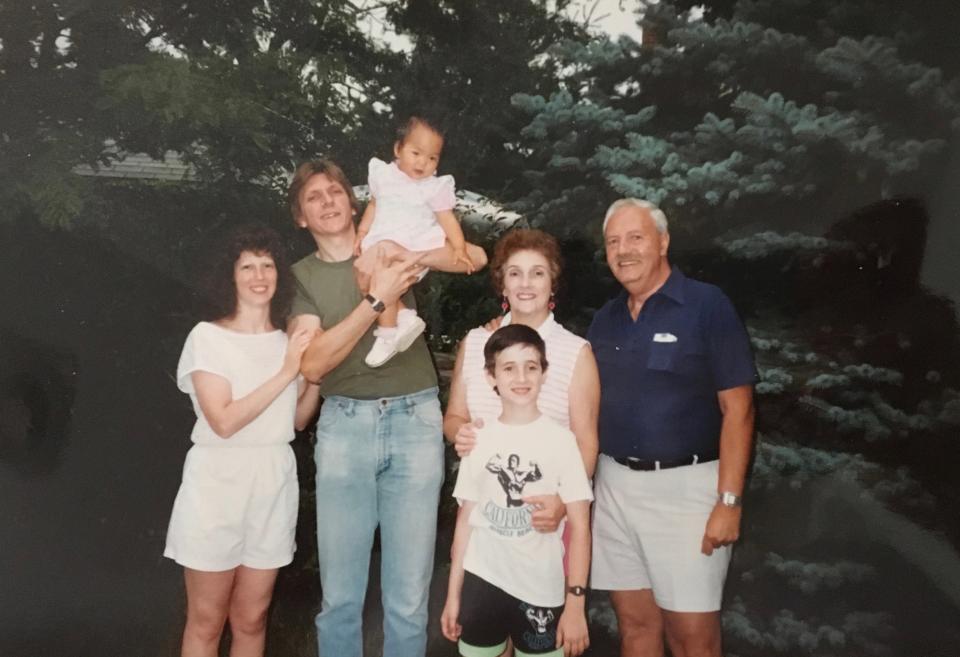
525 269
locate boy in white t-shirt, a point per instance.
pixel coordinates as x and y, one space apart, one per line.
506 579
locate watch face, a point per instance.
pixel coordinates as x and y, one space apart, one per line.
729 499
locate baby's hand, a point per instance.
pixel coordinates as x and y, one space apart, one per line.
460 257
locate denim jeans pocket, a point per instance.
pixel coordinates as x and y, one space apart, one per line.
428 413
330 413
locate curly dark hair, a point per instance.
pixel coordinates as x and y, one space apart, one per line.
525 239
219 286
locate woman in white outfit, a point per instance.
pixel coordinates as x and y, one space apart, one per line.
235 514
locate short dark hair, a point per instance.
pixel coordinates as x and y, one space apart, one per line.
509 335
308 170
219 283
405 128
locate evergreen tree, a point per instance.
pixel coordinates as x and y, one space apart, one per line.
756 127
728 121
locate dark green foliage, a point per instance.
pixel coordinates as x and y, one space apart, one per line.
722 121
467 61
243 90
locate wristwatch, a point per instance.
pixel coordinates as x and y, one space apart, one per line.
375 302
577 590
726 498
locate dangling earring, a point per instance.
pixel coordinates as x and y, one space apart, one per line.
505 305
552 304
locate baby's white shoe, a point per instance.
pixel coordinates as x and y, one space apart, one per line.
409 326
384 347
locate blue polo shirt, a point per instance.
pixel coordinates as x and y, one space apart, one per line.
659 375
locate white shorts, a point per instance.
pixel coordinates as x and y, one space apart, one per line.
236 506
647 532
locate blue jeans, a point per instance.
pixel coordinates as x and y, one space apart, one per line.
378 462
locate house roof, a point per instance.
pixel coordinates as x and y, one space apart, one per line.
140 166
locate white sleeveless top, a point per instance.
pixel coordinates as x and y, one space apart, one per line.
563 348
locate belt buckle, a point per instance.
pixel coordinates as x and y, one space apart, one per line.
633 463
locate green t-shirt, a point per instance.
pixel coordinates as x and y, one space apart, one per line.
329 291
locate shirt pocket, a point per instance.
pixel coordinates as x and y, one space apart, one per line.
680 357
663 356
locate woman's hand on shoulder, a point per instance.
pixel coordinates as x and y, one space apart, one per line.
297 343
549 510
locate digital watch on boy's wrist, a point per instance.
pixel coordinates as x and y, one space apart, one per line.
376 303
577 590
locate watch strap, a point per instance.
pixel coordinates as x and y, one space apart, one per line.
375 303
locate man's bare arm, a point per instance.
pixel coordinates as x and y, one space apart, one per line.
736 442
332 345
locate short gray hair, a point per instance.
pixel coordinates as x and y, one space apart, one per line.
659 218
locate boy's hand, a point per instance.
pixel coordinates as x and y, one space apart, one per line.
460 257
572 634
550 510
466 438
449 624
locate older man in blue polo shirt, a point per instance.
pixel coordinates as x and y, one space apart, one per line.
676 424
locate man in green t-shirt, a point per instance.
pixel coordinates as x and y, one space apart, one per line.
379 449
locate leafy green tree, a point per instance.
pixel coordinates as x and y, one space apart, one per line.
51 57
246 89
242 89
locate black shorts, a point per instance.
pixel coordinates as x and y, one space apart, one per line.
488 615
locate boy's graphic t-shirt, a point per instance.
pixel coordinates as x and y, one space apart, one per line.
509 463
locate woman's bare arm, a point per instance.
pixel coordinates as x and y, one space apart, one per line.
584 401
